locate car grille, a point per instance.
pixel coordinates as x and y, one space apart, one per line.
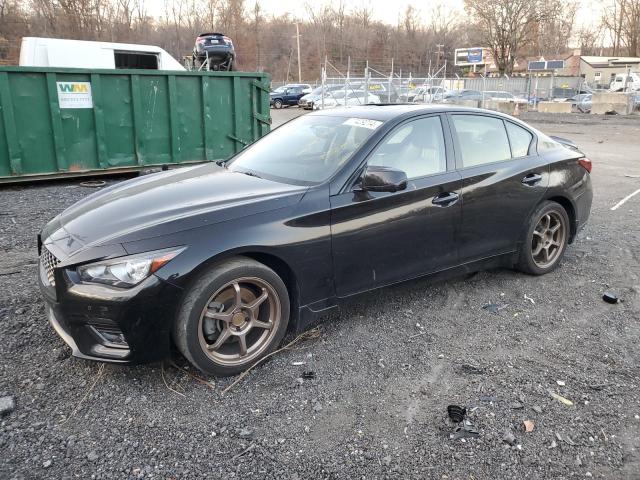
48 262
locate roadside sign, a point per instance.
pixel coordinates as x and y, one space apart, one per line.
471 56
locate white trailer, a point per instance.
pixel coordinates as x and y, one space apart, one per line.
56 52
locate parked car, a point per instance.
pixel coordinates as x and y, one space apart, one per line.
502 96
286 96
584 104
306 88
222 260
456 96
340 98
577 99
625 82
307 101
430 94
217 48
410 94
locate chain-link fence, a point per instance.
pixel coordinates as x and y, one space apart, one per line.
371 86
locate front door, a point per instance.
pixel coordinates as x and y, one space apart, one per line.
379 238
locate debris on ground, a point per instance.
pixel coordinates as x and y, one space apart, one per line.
466 430
7 405
494 307
93 183
308 375
509 438
245 432
528 426
471 368
488 398
298 364
561 399
566 439
527 297
92 456
537 408
610 297
561 383
317 407
516 406
456 413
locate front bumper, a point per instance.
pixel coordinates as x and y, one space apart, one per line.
113 325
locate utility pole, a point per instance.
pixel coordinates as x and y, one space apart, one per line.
440 46
298 43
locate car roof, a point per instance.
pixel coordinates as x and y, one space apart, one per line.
385 112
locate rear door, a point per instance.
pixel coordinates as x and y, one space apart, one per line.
379 238
503 179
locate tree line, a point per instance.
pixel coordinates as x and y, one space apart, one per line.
417 42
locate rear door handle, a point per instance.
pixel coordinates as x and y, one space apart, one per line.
532 179
445 199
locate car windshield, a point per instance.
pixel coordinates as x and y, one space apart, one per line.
279 90
305 151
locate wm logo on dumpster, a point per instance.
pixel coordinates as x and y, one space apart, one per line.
67 87
74 95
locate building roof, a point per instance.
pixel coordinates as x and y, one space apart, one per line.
609 61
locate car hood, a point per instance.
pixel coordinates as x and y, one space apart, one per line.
165 203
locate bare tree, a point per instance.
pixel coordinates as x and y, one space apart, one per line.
621 19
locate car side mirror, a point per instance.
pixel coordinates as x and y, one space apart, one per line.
383 179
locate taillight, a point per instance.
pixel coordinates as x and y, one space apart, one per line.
201 40
228 40
586 163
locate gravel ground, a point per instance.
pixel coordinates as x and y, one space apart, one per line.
387 365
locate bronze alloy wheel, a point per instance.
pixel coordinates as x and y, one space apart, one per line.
548 239
238 321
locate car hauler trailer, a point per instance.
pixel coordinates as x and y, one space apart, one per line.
57 122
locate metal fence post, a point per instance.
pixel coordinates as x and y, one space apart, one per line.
366 83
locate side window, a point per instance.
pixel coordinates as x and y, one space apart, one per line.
520 140
417 148
482 139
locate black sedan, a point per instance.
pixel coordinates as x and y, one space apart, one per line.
221 261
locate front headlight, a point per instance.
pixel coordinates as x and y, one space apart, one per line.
126 272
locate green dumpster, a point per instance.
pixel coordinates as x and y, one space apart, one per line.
67 122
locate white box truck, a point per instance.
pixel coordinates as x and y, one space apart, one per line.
629 82
56 52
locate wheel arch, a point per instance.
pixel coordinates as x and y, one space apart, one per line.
271 260
569 207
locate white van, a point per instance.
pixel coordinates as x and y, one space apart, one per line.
632 82
56 52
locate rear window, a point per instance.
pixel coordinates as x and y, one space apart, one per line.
136 60
520 140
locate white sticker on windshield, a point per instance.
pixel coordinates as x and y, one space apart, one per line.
362 122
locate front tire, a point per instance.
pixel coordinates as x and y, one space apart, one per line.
546 239
277 103
233 315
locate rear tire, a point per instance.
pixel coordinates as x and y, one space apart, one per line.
234 314
546 239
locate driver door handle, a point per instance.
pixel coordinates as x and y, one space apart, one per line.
532 179
445 199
